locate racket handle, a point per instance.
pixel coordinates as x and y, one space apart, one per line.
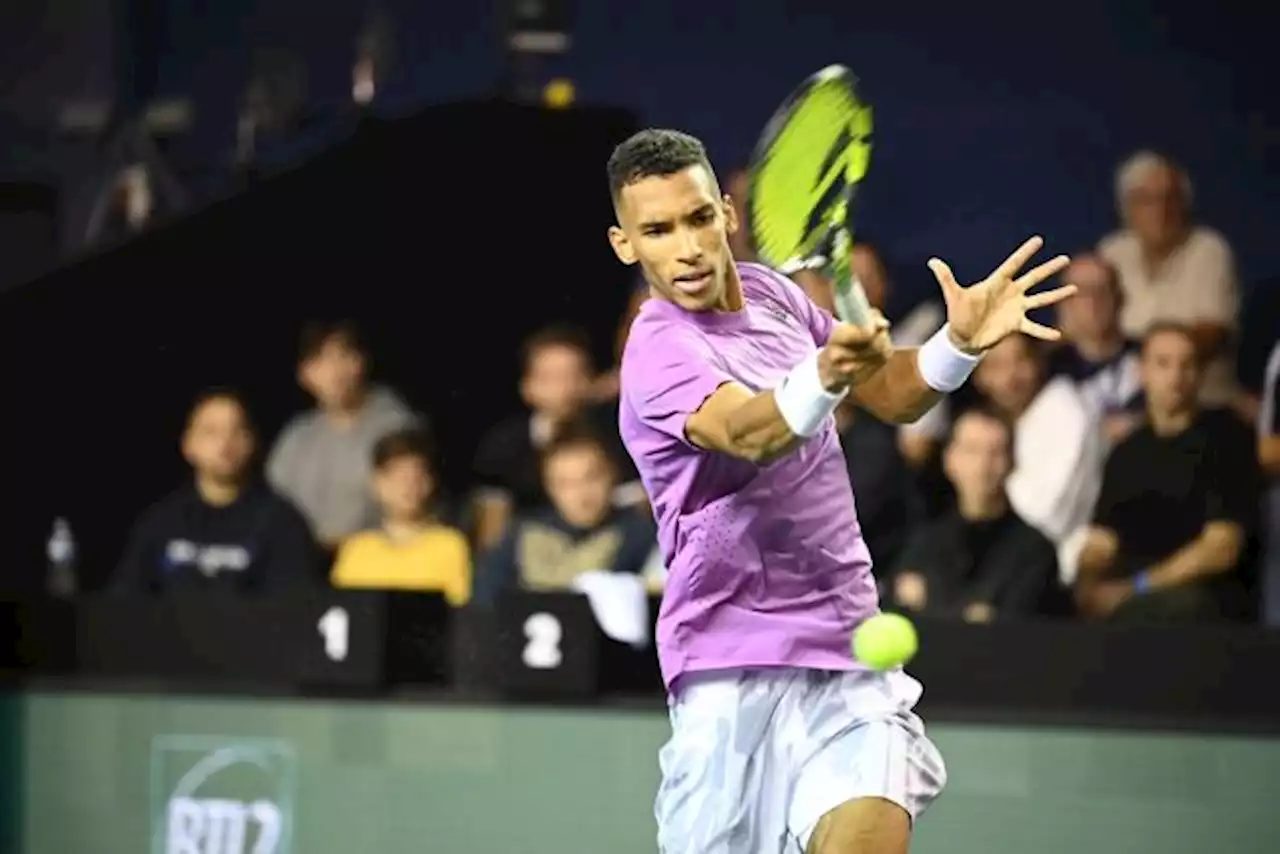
852 304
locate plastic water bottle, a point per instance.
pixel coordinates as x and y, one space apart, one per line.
62 559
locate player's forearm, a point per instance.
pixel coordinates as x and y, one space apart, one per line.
1212 553
898 392
757 431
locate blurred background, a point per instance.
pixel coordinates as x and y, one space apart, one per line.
309 458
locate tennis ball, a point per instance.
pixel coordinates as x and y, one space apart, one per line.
558 94
885 641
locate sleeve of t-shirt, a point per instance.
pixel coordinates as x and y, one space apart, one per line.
294 557
1232 491
1111 491
668 371
1212 267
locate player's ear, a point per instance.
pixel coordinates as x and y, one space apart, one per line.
731 222
621 245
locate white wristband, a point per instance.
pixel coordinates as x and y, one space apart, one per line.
943 366
805 405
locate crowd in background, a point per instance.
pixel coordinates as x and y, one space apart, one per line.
1118 474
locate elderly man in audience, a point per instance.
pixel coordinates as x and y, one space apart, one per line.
1095 354
979 561
580 530
1057 443
1171 538
1172 269
224 530
321 460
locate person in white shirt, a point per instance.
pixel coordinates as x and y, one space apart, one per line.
1172 269
1058 448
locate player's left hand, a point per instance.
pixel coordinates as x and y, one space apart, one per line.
983 314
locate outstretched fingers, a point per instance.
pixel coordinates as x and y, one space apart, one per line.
943 274
1038 330
1048 298
1035 276
1015 262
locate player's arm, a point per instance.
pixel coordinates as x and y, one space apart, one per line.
914 379
749 426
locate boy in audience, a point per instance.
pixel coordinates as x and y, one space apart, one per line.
412 549
321 459
555 388
223 530
1179 502
581 531
980 561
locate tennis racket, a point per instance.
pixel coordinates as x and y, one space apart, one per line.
804 177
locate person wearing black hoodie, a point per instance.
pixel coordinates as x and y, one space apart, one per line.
224 530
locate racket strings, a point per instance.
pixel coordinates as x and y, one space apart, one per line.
796 189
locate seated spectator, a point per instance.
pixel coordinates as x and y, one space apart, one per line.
555 388
321 459
980 561
1179 503
223 530
888 505
1095 354
1057 445
412 549
1172 269
580 531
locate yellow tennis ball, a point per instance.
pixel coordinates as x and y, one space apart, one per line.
885 641
559 93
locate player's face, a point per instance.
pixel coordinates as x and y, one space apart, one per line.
335 375
677 227
1094 311
1170 372
402 487
556 381
580 482
1010 375
1155 208
218 443
978 458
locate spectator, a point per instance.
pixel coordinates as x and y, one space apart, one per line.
321 461
555 388
980 561
580 531
1172 269
1057 445
888 505
1179 502
1269 458
223 530
412 549
1096 355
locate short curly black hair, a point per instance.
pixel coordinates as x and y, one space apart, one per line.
654 151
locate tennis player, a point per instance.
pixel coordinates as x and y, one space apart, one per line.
781 743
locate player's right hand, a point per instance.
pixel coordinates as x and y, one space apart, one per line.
853 354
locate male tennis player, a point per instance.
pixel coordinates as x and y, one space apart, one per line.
780 741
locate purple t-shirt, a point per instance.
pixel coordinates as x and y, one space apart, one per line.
766 564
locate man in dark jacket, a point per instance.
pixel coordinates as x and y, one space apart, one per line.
979 561
223 530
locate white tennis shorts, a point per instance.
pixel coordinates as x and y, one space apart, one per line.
757 757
